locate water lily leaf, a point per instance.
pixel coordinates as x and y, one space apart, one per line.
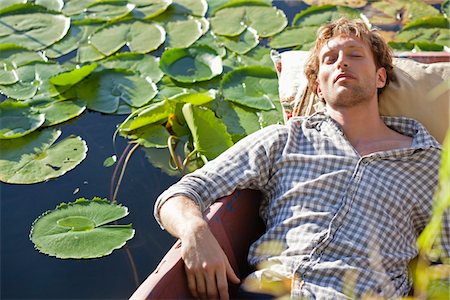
208 132
35 158
217 5
74 76
183 33
151 136
55 5
57 112
7 3
110 161
146 9
242 43
445 8
32 27
150 114
143 64
194 97
253 86
105 89
349 3
160 158
18 119
197 63
234 20
139 36
211 41
13 57
319 15
75 7
189 7
259 56
268 117
78 229
401 11
108 10
303 37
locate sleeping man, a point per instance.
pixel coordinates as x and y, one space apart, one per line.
346 192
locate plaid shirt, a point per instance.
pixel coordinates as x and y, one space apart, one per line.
338 224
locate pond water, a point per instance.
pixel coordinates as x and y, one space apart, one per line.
27 274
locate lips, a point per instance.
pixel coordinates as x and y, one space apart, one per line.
344 75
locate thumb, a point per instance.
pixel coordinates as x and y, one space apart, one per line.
230 274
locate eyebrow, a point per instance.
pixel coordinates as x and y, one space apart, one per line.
351 46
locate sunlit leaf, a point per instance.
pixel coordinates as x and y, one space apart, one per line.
254 86
146 9
197 63
445 8
349 3
217 5
139 36
268 117
189 7
18 119
143 64
35 157
74 7
151 136
6 3
104 90
55 5
208 132
150 114
242 43
210 40
183 33
319 15
79 229
57 111
110 161
194 97
403 11
295 36
74 76
108 10
259 56
32 27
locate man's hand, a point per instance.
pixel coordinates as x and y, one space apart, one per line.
207 266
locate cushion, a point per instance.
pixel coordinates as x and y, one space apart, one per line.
421 91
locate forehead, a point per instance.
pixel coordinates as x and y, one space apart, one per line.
343 42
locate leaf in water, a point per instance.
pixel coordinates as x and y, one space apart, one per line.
268 117
319 15
242 43
57 112
35 158
401 11
110 161
151 136
217 5
18 119
55 5
295 36
78 229
160 158
108 10
254 87
11 58
32 27
74 76
7 3
146 9
445 8
259 56
211 41
349 3
197 63
141 37
234 20
152 113
189 7
183 33
75 7
194 97
143 64
209 133
103 90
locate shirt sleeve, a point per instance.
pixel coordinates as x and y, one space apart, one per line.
247 164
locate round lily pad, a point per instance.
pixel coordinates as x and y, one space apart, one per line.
79 229
197 63
35 157
242 43
18 119
143 64
56 111
183 33
253 86
146 9
11 58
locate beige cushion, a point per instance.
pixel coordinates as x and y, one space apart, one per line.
421 92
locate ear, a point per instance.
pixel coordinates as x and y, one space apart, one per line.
381 77
318 90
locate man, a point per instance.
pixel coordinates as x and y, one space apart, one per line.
346 192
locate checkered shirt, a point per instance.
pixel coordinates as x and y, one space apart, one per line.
338 225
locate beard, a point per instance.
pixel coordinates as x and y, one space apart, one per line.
352 96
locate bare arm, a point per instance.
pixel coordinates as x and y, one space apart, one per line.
207 266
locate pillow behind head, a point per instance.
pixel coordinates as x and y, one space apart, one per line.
421 91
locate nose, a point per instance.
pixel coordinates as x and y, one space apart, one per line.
342 60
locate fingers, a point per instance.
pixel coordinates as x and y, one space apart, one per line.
211 285
222 285
201 287
192 285
230 273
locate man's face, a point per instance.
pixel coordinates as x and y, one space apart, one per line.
347 72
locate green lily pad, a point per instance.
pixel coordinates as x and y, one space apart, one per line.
268 117
242 43
7 3
150 114
194 97
352 3
210 135
143 64
18 119
55 5
147 9
139 36
234 20
401 11
79 229
189 7
259 56
108 10
32 27
197 63
254 86
58 111
183 33
301 37
445 8
35 158
74 76
104 90
210 40
11 58
319 15
75 7
151 136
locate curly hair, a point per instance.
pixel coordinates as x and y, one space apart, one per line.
381 52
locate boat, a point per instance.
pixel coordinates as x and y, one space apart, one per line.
235 222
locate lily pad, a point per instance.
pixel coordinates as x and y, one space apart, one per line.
445 8
55 5
349 3
253 86
104 90
319 15
234 20
197 63
139 36
143 64
58 111
189 7
147 9
183 33
242 43
32 27
151 136
18 119
35 157
79 229
7 3
75 7
74 76
108 10
195 97
301 37
210 135
155 112
401 11
217 5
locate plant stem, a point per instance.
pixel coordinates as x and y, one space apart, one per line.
124 166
